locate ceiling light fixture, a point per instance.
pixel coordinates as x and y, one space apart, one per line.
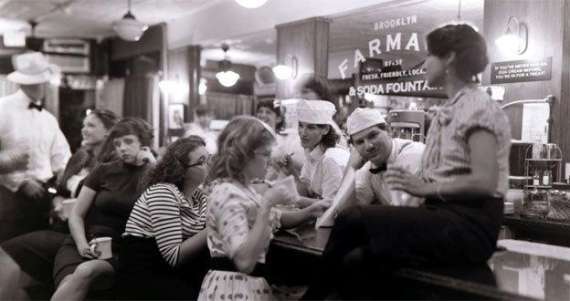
226 76
129 28
251 3
515 38
287 70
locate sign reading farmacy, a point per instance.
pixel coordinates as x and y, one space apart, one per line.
389 57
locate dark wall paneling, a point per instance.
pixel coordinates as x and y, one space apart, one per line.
307 40
151 41
548 33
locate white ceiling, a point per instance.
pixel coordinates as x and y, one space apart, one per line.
250 33
93 18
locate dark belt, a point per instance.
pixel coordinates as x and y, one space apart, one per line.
226 264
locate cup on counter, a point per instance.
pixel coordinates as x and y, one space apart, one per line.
103 246
67 207
290 185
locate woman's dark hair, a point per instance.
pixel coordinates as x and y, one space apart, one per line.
321 87
108 118
330 139
126 126
85 157
270 104
236 146
467 44
171 168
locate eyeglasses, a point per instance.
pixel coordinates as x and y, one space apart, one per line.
201 162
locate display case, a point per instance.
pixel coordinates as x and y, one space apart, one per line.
543 167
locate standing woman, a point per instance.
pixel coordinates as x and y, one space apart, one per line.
241 222
165 235
322 172
102 209
465 168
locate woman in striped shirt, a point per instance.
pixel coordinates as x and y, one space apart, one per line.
165 254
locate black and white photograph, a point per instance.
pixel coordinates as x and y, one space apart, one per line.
284 150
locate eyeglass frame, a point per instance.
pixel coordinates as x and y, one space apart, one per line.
200 163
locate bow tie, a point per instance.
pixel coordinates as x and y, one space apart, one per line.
378 169
441 114
33 105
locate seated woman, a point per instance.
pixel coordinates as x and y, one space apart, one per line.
287 146
164 252
34 252
102 209
465 171
241 222
322 172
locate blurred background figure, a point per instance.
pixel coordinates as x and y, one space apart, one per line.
201 127
287 148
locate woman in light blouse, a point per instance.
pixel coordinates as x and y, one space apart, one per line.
464 178
240 221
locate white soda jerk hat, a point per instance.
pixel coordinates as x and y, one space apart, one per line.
315 111
363 118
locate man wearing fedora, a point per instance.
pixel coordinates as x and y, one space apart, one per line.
374 149
27 129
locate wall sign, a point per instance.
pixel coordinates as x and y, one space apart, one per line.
521 71
386 49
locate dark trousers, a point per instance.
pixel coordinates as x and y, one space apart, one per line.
20 214
35 253
368 242
145 275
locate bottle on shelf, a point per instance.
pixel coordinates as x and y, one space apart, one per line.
546 177
536 178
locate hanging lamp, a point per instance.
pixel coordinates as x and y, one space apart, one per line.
251 3
129 28
226 76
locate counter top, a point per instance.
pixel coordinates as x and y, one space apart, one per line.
519 270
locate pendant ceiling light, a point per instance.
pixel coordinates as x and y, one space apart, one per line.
129 28
251 3
226 76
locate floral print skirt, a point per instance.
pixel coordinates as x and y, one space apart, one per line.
222 285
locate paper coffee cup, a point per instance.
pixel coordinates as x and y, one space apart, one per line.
68 207
290 186
102 245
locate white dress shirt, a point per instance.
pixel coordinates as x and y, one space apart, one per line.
35 132
370 188
322 171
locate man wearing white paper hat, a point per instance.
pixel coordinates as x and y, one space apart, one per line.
26 128
376 149
324 160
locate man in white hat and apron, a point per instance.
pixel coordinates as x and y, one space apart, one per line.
27 129
374 149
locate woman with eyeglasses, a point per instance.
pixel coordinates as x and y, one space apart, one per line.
165 235
101 210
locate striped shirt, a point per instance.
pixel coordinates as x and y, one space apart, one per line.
164 213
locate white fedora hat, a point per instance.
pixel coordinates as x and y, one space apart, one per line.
31 68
